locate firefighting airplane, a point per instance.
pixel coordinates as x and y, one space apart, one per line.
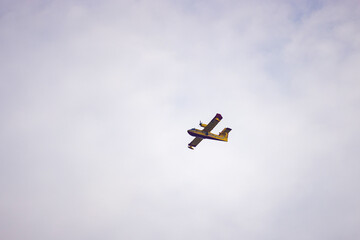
206 134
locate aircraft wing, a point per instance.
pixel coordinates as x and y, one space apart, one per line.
195 142
213 123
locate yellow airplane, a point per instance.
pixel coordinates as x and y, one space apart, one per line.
206 134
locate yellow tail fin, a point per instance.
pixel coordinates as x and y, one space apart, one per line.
225 133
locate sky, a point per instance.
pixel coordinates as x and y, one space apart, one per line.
96 98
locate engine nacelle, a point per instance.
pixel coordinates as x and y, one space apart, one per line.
202 124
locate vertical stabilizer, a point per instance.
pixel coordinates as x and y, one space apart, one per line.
225 133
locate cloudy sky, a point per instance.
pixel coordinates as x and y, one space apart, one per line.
96 98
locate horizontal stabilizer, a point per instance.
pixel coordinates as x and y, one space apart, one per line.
225 132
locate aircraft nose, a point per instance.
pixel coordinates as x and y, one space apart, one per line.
190 132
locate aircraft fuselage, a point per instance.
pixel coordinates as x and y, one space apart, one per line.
206 135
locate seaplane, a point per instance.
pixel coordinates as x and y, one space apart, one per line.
206 134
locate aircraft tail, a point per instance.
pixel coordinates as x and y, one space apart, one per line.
225 133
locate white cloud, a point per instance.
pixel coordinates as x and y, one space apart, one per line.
96 99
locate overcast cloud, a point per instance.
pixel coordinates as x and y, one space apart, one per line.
96 98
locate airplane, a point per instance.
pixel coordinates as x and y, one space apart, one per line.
206 134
